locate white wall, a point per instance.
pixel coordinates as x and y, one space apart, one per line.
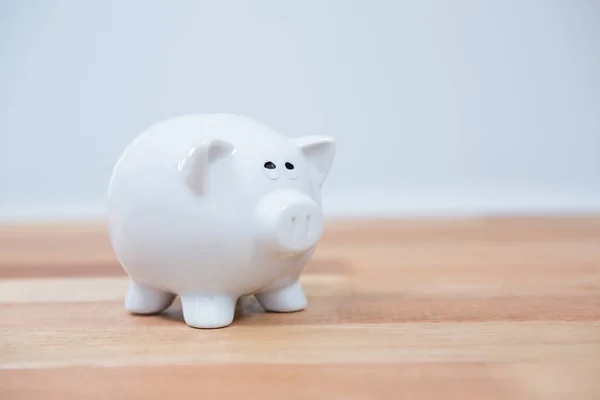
439 107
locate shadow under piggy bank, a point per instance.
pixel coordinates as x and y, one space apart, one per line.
327 283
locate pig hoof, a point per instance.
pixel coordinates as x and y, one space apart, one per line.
143 299
208 311
288 299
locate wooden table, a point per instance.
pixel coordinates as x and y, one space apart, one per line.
505 308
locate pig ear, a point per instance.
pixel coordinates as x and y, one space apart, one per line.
194 166
319 151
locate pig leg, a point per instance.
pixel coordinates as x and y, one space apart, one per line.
143 299
208 311
287 299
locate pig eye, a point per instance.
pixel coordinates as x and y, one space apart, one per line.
290 171
271 170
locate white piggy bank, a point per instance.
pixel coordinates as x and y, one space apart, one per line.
215 207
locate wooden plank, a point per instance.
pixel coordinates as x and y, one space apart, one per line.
351 381
165 341
483 308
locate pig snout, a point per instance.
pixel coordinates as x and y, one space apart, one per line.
289 222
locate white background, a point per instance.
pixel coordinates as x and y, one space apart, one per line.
439 107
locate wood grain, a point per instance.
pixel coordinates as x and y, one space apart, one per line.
490 308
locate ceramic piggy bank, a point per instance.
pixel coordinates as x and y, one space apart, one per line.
214 207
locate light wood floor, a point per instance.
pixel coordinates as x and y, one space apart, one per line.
452 309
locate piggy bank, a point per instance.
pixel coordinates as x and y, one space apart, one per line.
212 207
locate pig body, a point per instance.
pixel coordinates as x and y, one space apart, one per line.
212 207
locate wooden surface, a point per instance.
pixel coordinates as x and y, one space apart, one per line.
466 309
